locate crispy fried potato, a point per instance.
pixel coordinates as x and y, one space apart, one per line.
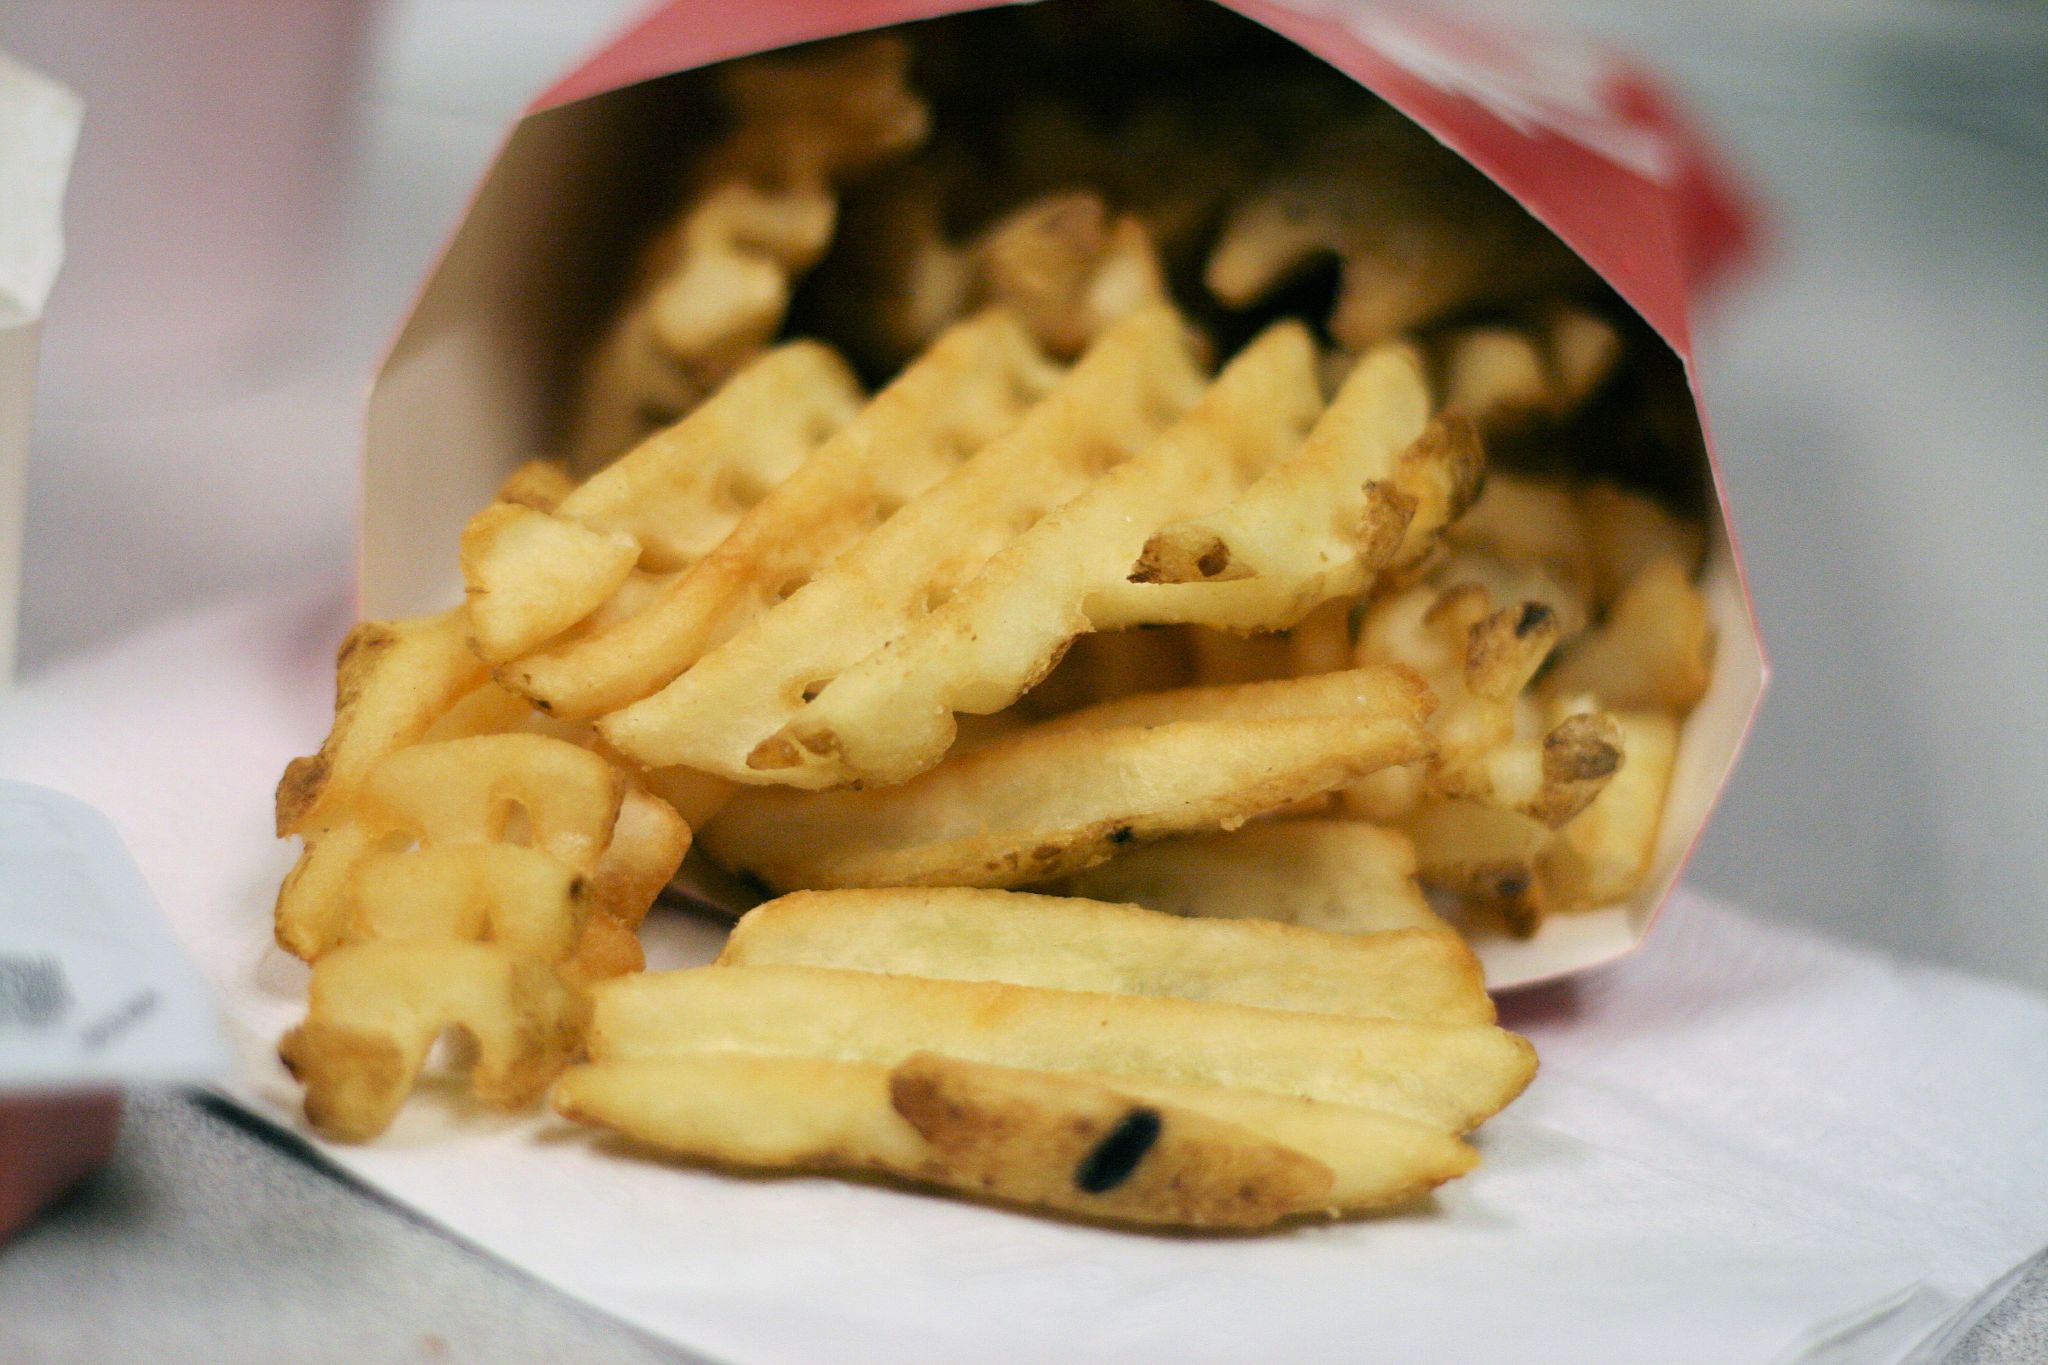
539 484
723 715
376 1008
530 576
1655 650
1603 855
1060 797
1532 522
805 1113
1450 1076
1315 514
393 680
1068 269
1505 378
457 791
759 210
975 383
524 900
1055 941
1061 1142
1491 746
890 715
1418 233
1336 875
682 490
1486 854
1630 532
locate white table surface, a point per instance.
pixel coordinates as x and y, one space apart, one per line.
1880 395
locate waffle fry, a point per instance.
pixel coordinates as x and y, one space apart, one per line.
1061 263
376 1008
1417 235
1655 650
393 680
1479 661
890 715
1505 378
532 573
1303 518
1056 798
974 384
724 713
715 284
447 836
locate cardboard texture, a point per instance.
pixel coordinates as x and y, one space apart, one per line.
1586 142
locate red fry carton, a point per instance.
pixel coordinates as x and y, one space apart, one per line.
477 380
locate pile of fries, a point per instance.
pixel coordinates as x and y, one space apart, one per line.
990 486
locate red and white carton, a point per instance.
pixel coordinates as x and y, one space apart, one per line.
1587 143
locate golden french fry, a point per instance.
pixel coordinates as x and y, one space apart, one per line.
1506 377
1067 944
376 1008
1486 854
1530 522
1630 532
393 680
890 715
531 576
723 714
1067 269
1491 745
1418 232
806 1113
521 899
1066 795
1336 875
539 484
1315 514
1450 1076
1059 1142
1603 855
760 209
457 791
976 382
1654 651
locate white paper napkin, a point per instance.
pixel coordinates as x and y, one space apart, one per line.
1745 1145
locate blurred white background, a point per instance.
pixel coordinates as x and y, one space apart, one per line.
1877 387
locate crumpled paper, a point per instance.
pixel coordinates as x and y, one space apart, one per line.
1745 1144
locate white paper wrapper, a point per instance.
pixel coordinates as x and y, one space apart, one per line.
38 133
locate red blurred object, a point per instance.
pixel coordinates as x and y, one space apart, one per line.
48 1143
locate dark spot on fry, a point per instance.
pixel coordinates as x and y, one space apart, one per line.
1114 1158
1122 834
1535 616
1214 560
